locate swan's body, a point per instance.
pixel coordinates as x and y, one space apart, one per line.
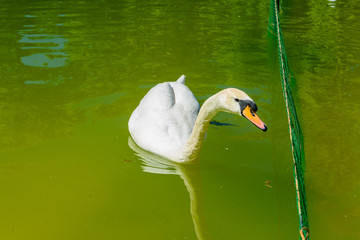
170 123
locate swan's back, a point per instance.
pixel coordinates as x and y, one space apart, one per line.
164 119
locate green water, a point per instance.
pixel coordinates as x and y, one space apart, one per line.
71 73
323 44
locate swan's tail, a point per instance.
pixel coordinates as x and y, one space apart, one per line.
181 79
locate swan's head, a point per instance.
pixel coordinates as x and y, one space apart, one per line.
235 101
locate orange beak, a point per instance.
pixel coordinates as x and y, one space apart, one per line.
252 117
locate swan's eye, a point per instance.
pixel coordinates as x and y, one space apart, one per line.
237 100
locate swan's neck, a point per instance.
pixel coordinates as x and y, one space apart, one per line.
193 146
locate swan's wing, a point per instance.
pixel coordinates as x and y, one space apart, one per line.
184 112
185 98
148 122
163 121
161 96
181 79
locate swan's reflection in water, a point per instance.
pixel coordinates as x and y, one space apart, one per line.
190 174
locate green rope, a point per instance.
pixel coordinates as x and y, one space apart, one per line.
294 126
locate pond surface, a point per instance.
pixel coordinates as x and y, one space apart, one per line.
72 72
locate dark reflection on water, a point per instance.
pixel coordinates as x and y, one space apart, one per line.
50 47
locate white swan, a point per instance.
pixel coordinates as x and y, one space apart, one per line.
168 122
